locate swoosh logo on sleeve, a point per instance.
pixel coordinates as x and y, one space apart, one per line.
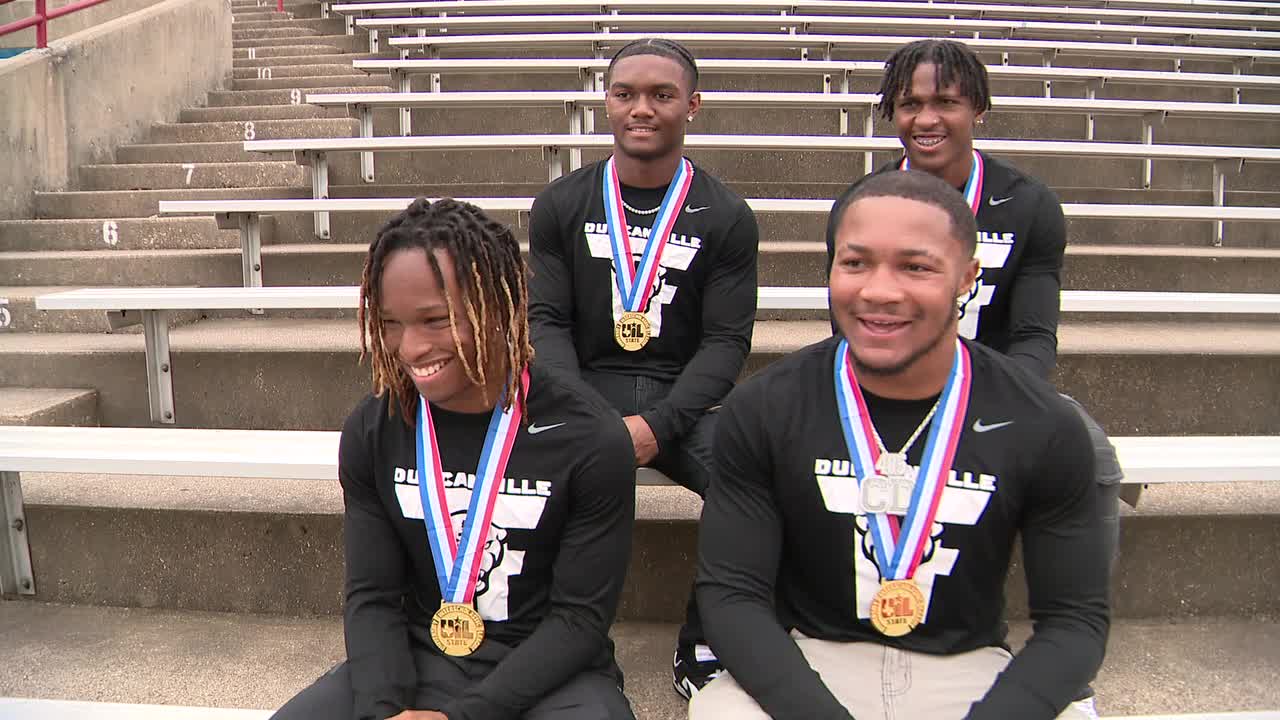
534 428
691 210
997 202
979 427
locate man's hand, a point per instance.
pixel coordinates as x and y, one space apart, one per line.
642 439
420 715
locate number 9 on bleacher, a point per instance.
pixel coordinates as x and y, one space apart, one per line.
5 317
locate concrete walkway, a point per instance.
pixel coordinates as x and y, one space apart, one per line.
223 660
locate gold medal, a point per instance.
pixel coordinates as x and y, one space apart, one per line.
897 608
632 331
457 629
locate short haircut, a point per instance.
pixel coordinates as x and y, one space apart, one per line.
921 187
663 48
956 65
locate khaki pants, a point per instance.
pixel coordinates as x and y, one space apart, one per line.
876 682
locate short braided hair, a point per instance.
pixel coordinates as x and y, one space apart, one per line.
661 47
956 65
495 295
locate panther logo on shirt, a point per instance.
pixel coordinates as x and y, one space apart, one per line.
677 255
520 506
963 503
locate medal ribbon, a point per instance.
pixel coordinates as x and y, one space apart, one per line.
899 545
458 563
972 186
636 282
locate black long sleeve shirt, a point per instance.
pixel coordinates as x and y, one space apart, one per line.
702 309
554 560
1022 238
784 543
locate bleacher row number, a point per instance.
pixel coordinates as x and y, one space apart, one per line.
190 168
5 317
295 97
264 73
253 53
249 132
111 233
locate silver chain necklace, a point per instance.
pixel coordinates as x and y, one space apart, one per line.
640 212
894 465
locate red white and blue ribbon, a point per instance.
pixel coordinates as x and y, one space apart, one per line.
636 282
900 544
458 562
972 186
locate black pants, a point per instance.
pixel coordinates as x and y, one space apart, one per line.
593 695
687 461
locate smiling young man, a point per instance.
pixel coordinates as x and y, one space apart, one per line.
869 490
644 282
936 93
484 561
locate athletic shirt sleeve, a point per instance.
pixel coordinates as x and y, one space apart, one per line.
1067 573
551 314
739 550
383 677
587 582
1033 304
728 317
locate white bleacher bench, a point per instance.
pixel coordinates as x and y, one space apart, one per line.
843 70
896 8
151 306
246 215
311 455
577 103
599 43
1256 8
314 152
804 24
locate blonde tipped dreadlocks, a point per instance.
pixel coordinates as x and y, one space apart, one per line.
495 294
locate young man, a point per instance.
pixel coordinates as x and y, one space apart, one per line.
644 282
868 492
936 93
484 558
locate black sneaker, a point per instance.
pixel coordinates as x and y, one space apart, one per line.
692 668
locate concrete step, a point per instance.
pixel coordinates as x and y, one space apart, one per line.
260 661
26 318
342 43
243 38
370 84
284 61
256 113
113 204
297 71
194 175
48 406
210 152
277 96
283 50
331 26
126 234
1119 370
291 11
290 531
265 130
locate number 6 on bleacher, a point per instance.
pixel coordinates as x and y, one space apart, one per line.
5 317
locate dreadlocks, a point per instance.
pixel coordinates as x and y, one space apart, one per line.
955 63
662 47
495 298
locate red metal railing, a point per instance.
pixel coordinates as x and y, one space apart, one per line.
42 17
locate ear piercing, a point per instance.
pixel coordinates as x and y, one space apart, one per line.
690 118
